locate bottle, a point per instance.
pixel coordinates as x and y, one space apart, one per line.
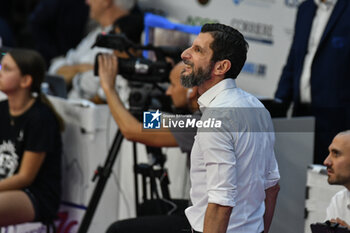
45 88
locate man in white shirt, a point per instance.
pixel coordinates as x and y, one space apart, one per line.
79 61
233 166
338 169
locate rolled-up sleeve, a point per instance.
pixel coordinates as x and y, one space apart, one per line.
272 175
220 164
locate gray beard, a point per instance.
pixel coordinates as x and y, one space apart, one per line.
196 79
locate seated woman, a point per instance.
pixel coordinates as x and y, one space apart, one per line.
30 142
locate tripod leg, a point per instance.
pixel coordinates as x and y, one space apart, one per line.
103 176
164 184
136 183
153 184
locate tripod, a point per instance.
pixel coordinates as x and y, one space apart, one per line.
102 173
146 170
139 98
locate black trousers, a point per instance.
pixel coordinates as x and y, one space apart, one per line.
154 224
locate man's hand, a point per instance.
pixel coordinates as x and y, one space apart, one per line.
107 71
340 222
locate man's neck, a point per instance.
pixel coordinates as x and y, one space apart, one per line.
347 186
209 83
192 105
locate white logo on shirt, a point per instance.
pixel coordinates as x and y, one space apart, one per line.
8 159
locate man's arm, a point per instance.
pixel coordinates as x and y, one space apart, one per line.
221 173
130 127
285 87
69 71
216 218
270 203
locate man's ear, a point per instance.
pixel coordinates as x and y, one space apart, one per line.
26 81
221 67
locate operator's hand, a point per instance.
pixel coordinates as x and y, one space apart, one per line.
341 222
107 71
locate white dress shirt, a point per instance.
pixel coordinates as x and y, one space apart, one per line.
339 206
234 164
324 11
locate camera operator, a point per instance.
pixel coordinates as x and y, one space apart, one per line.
130 127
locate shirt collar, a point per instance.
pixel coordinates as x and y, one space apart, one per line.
327 4
207 97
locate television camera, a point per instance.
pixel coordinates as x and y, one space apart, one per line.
146 77
139 68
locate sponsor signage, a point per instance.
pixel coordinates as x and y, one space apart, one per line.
253 31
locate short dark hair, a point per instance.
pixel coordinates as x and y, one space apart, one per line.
229 44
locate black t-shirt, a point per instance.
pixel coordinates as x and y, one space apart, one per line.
36 130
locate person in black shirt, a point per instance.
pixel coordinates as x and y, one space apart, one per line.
30 142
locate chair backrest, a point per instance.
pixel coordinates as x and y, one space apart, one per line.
57 85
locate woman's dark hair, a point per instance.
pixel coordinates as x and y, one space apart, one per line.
228 44
32 63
